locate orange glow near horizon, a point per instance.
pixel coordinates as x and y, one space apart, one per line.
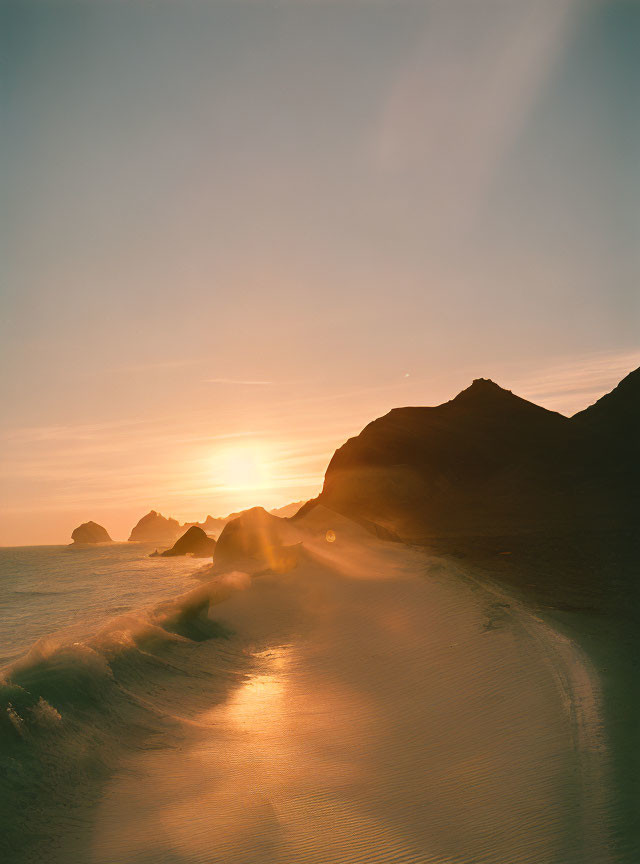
216 458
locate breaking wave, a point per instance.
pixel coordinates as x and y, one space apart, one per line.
70 704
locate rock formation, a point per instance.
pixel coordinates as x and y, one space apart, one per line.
211 525
490 462
253 534
90 532
215 524
193 542
155 528
288 510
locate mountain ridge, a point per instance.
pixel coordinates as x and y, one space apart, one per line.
489 460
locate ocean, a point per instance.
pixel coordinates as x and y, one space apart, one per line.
48 589
93 642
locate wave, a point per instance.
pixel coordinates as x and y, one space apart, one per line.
70 704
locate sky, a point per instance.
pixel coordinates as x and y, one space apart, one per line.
236 232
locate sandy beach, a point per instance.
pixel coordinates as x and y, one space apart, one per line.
385 708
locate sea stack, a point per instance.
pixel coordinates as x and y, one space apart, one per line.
90 532
155 528
193 542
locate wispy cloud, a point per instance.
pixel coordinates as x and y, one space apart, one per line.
571 385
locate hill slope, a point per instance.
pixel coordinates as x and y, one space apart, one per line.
489 462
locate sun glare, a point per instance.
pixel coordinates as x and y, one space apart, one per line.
241 468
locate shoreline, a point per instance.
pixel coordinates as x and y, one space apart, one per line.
603 623
350 638
316 727
579 685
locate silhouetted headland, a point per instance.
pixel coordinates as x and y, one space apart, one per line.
489 461
489 473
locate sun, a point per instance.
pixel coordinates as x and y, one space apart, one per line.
241 468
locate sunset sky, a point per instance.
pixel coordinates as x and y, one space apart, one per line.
234 233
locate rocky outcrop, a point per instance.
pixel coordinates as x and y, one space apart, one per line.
288 510
193 542
212 525
490 462
215 524
90 532
253 534
156 528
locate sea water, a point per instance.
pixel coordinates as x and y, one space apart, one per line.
47 589
92 641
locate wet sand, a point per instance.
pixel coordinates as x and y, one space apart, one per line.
394 710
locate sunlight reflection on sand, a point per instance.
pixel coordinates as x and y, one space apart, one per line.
382 719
